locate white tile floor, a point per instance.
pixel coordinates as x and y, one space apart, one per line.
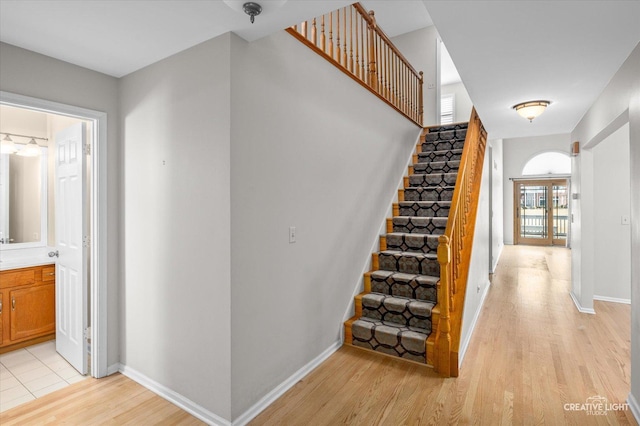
29 373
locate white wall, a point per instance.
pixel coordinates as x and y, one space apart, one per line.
618 104
313 150
516 153
612 200
478 279
462 101
421 48
176 221
496 170
30 74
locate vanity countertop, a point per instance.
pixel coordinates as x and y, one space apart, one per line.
25 258
6 265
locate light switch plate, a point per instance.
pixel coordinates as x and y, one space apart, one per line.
625 220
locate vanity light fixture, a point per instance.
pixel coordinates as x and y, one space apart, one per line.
32 149
252 9
8 146
531 109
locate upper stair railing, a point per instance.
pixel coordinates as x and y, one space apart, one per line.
350 39
454 249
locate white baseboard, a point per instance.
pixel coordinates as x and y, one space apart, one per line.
174 397
212 418
579 306
612 299
277 392
634 407
465 344
495 264
114 368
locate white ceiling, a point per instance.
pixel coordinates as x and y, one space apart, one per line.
506 51
514 51
118 37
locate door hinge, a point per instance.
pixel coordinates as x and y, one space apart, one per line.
86 241
87 333
86 150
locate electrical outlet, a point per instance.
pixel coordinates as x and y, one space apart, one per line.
292 234
431 86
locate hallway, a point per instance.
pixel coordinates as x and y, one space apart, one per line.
532 352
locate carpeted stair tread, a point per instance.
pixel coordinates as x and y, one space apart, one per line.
448 127
390 338
445 155
433 179
425 193
436 167
399 310
424 208
409 263
413 242
421 287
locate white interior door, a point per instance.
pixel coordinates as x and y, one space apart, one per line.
4 199
71 243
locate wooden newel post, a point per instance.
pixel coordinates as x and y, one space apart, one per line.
373 73
443 342
420 100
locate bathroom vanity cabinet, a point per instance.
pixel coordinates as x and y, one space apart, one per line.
27 306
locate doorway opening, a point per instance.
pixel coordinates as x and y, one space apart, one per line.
91 337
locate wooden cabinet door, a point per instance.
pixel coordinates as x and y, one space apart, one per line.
32 311
2 308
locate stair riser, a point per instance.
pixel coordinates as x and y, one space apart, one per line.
413 287
426 157
409 264
435 167
432 180
423 210
442 145
396 310
428 194
419 225
409 344
413 243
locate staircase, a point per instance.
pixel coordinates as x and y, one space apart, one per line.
397 313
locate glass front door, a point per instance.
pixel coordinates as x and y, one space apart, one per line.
541 212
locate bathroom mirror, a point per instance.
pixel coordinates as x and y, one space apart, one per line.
23 201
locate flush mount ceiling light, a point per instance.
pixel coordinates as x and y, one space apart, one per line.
32 149
8 147
531 109
252 9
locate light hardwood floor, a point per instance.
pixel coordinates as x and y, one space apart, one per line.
531 354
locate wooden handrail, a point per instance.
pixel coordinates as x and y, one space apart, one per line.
361 49
455 247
